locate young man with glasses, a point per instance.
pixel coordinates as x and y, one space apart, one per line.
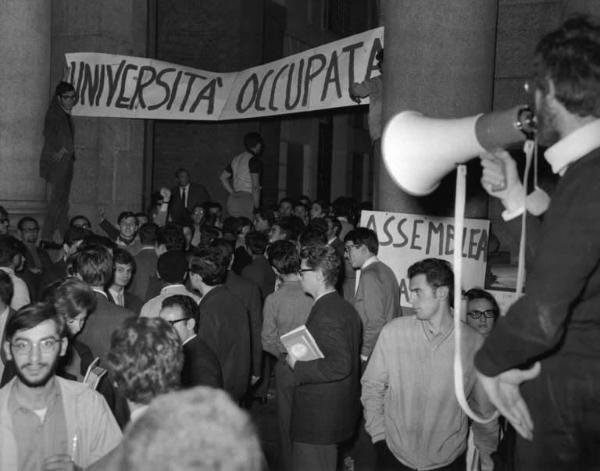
56 161
200 364
47 422
325 404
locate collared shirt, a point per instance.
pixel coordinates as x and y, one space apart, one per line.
118 296
100 290
324 294
369 261
21 292
39 434
574 146
189 339
153 306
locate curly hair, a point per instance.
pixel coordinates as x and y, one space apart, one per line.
145 358
325 258
210 265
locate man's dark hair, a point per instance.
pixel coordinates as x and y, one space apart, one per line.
71 297
25 219
364 236
570 57
171 236
3 213
267 214
7 289
345 206
33 315
75 234
225 247
94 264
251 139
325 258
214 204
123 257
210 265
180 170
301 205
312 235
187 304
286 227
437 272
9 248
80 216
63 87
284 256
478 293
335 222
125 215
145 358
94 240
256 242
147 233
172 266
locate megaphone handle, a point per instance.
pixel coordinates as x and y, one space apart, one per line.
502 186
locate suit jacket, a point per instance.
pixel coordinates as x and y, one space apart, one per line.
249 295
180 213
34 280
326 404
377 302
56 272
131 301
261 273
101 324
224 327
200 365
145 267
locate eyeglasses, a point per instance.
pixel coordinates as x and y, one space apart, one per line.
24 347
301 271
178 320
488 314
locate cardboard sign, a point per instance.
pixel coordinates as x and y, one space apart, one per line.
134 87
405 239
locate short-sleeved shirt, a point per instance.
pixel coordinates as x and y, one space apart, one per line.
240 169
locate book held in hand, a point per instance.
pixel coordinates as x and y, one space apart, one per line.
301 344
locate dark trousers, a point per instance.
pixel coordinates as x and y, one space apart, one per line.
309 457
284 382
386 461
564 402
59 188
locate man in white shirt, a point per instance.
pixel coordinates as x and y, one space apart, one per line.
172 270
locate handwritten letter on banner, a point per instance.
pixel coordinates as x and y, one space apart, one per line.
407 238
134 87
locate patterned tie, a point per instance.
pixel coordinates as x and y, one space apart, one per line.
120 300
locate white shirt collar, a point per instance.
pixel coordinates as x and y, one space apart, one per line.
175 286
574 146
101 291
369 261
187 340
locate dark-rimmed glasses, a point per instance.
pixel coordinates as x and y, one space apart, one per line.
488 314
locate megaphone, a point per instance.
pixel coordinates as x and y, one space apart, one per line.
419 151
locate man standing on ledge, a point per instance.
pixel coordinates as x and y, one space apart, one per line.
241 178
56 162
556 324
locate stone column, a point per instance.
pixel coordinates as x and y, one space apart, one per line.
439 60
24 97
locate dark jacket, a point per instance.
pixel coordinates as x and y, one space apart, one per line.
326 401
145 267
131 301
225 329
200 365
101 324
178 212
58 134
261 273
249 295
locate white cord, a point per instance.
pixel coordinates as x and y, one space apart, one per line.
459 223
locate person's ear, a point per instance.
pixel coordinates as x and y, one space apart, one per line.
442 292
6 346
191 324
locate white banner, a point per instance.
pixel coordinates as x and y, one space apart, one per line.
405 239
134 87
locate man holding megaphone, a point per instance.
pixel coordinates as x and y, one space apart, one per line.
541 364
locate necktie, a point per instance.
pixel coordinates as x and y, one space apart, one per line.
184 197
120 300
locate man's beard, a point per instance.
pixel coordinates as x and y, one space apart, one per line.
40 382
546 124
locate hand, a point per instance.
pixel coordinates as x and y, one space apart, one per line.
503 390
353 96
291 360
254 380
501 179
59 463
166 194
